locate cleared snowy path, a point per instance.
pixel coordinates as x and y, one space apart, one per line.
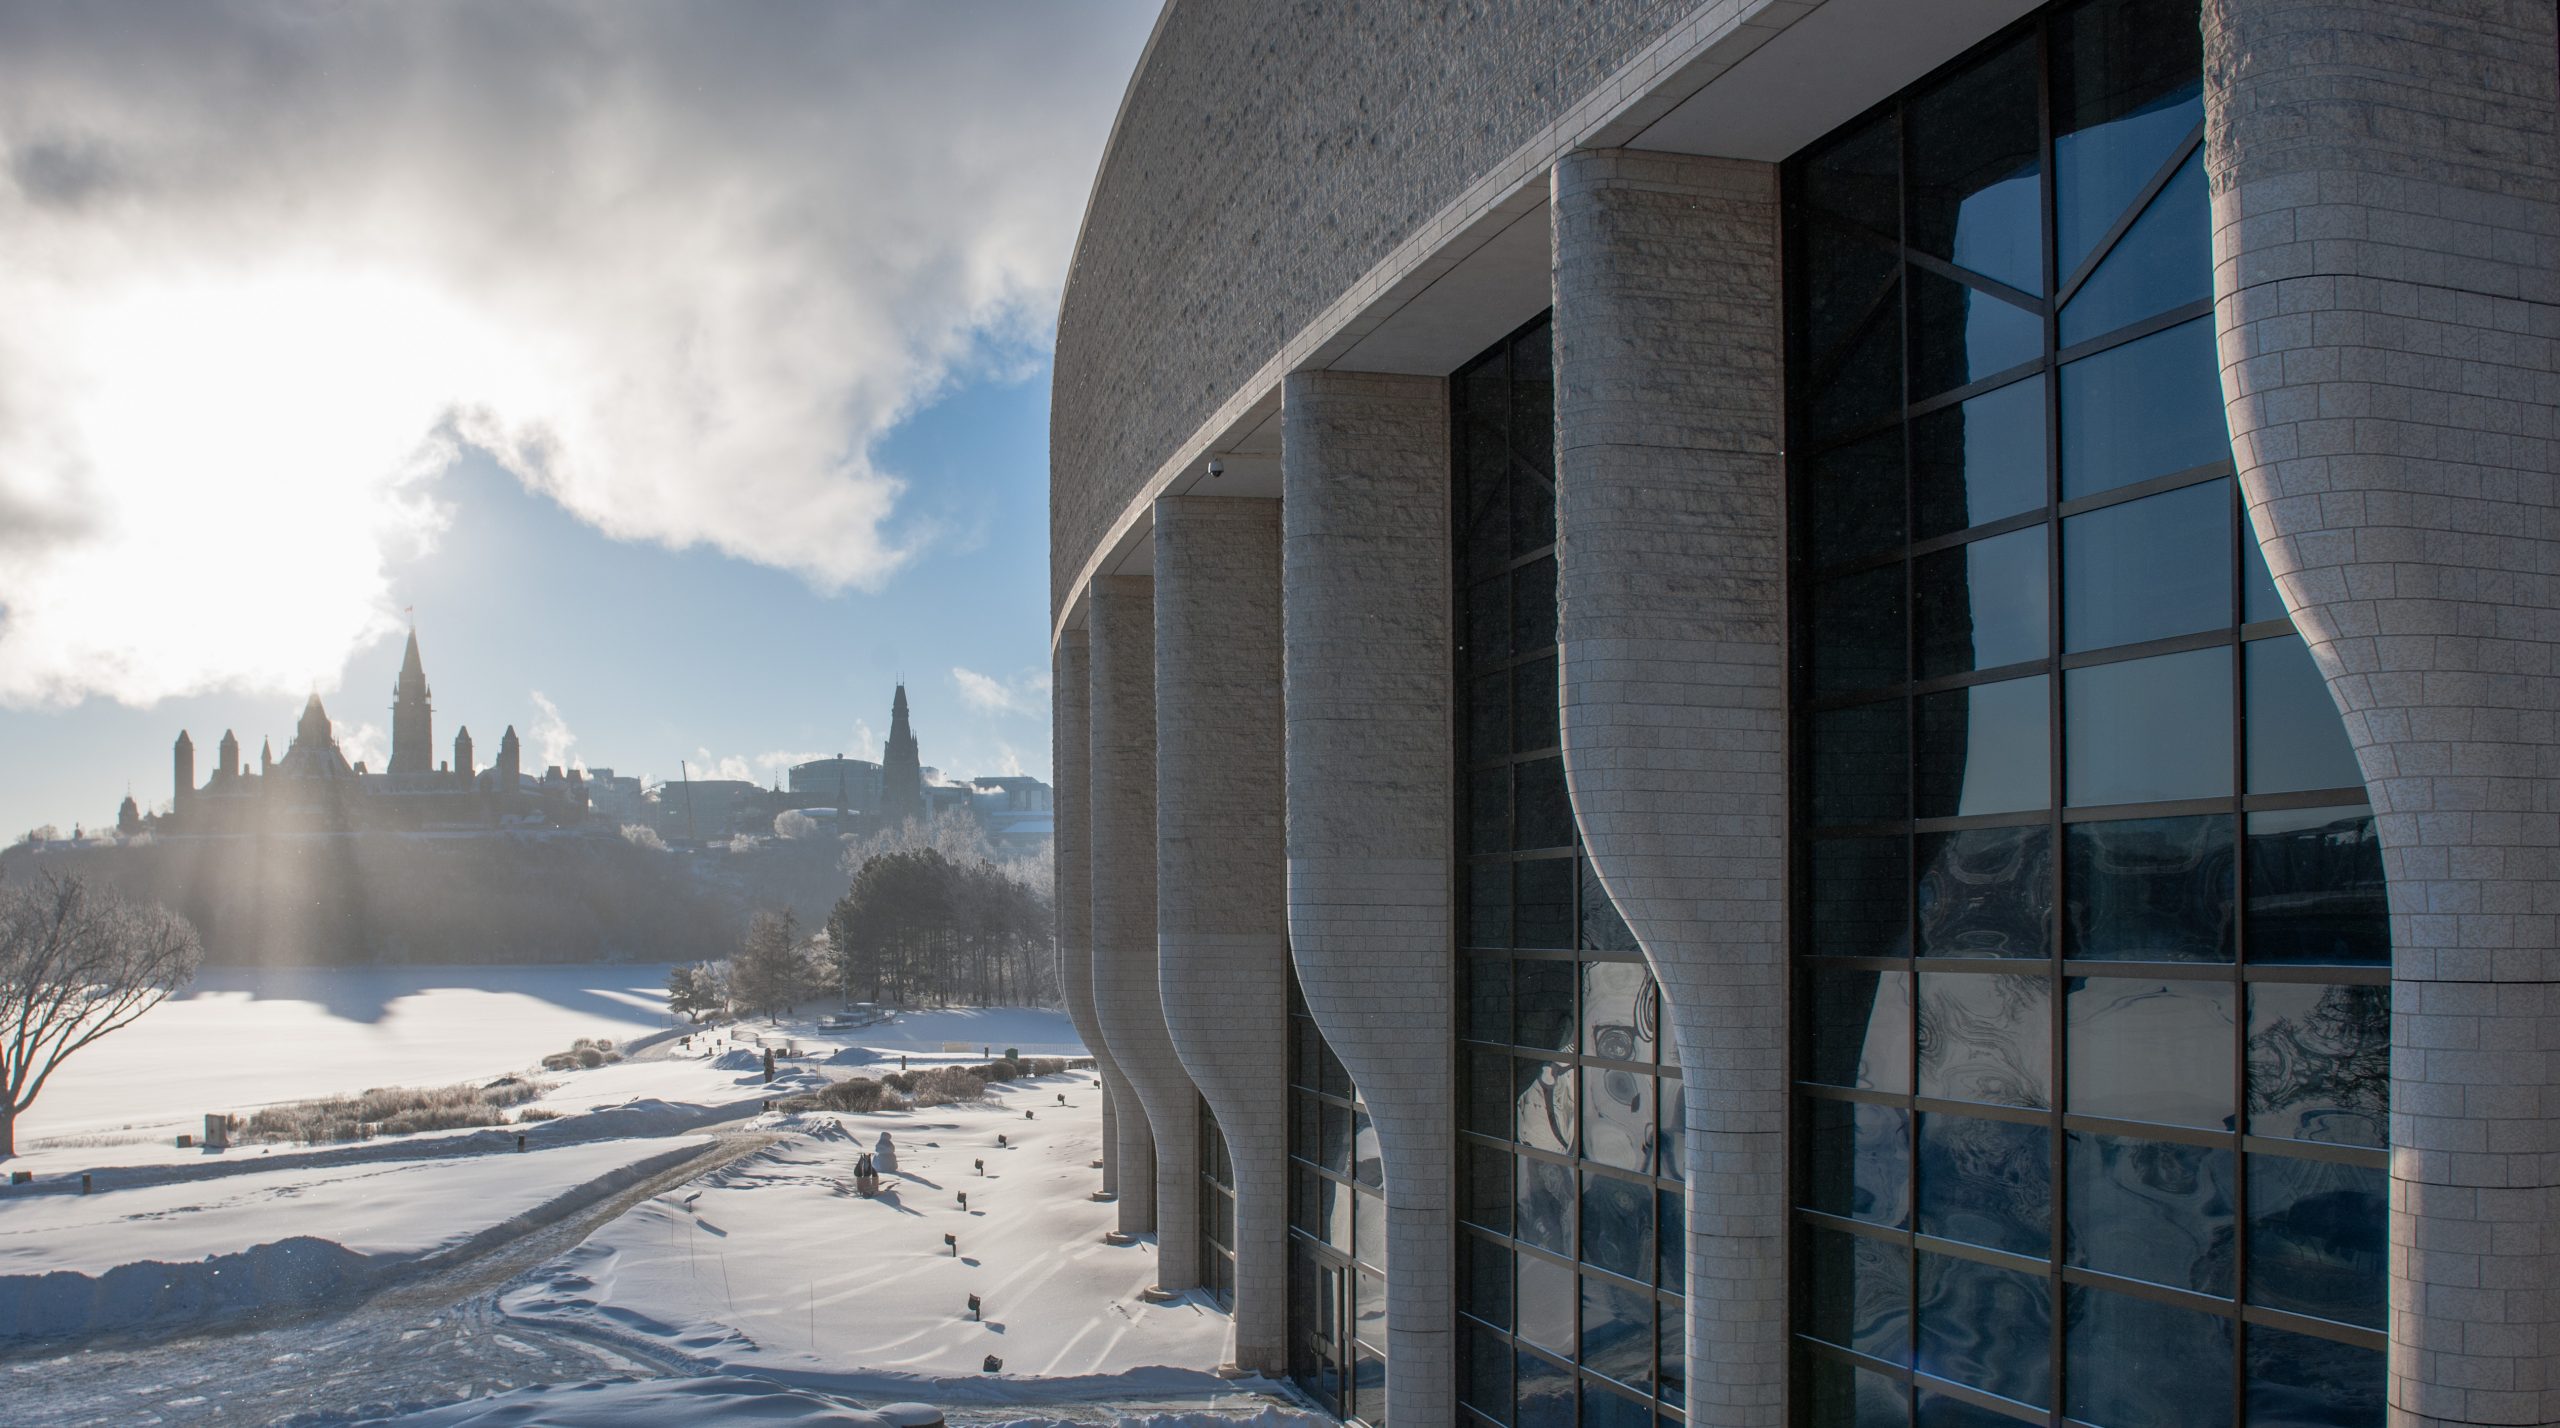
428 1341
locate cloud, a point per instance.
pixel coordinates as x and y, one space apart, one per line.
273 266
1028 695
362 744
552 738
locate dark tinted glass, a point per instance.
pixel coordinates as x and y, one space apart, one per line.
2259 599
1961 335
1542 997
1545 1303
1973 179
1987 1328
1542 903
2164 261
1543 816
1980 460
1939 1410
1861 758
2320 1062
1617 1232
1854 499
1602 1408
1533 512
1533 400
1986 1037
1858 638
1987 1183
1488 999
2297 740
2147 569
2152 1050
1862 382
1489 715
2153 1210
2297 1381
2147 730
2151 889
1986 892
1671 1246
1856 895
2317 1242
1985 748
1859 1029
1545 1392
1533 706
1981 605
1487 537
1848 271
1603 930
1486 1292
1488 905
1858 176
2315 888
1489 1176
1489 810
2132 1363
2128 86
1858 1161
1489 619
1845 1397
1533 605
2144 409
1857 1293
1542 1210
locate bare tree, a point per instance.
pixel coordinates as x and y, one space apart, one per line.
76 962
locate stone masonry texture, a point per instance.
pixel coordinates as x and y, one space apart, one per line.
1070 694
1365 575
1671 570
1266 157
1126 994
2386 197
1222 871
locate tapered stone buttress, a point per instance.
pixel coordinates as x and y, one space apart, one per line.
1671 569
1365 574
2386 208
1162 1122
1070 698
1222 873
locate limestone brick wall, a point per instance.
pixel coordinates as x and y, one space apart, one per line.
1365 570
1222 873
1671 569
1164 1108
1070 696
2386 183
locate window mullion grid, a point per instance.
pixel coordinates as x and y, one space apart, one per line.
1910 761
2057 1147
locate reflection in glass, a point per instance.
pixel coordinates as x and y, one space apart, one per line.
1984 748
1973 173
1486 1292
1986 1328
1987 1183
1542 816
1603 930
1617 1333
1980 606
1856 895
2320 1062
2127 90
2315 888
1986 892
2153 1210
1846 1397
1488 999
1602 1408
1985 1037
2148 730
2164 261
1545 1117
1366 1165
2132 1363
1854 498
2152 1050
2297 741
1488 1188
1369 1229
1859 1026
1860 760
1961 334
2147 569
1485 1383
1941 1410
2147 408
1617 1226
2297 1381
1857 1293
1858 1161
2317 1238
1621 1013
1543 1207
1542 903
1545 1303
1617 1118
1672 1134
2150 889
1857 631
1978 461
1545 1392
1488 1093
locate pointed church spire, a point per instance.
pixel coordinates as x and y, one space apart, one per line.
412 716
901 774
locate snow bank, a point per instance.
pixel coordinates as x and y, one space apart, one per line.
657 1403
740 1060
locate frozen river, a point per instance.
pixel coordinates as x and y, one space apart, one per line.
243 1037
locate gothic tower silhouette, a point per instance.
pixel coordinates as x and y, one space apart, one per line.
901 772
510 761
183 761
412 717
462 765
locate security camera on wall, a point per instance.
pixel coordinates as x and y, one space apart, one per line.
1217 468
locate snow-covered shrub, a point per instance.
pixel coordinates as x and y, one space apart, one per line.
641 835
948 1085
391 1110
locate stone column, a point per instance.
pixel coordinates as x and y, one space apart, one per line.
1160 1119
1671 568
1070 700
1365 514
2386 181
1222 873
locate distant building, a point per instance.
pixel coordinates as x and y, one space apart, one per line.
838 782
901 771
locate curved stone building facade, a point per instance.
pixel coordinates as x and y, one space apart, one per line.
1914 758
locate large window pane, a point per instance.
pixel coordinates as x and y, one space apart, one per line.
1984 748
2148 730
2317 1233
2297 1381
1617 1332
1617 1226
2132 1363
1987 1328
1981 605
1854 499
1973 175
2147 569
1986 1037
1544 1111
1987 1183
1857 1293
1543 1208
1846 1397
1618 1118
1858 175
1860 764
1542 815
1858 639
2316 892
2320 1062
1620 1020
1858 894
1986 892
1979 461
2145 409
1545 1303
2164 261
1542 903
2296 739
2128 87
1858 1027
1533 605
1858 1161
2151 889
2153 1210
2152 1050
1961 334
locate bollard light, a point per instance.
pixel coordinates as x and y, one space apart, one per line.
999 1140
994 1364
519 1143
84 1182
952 1242
974 1311
1062 1098
982 1166
964 1199
1026 1115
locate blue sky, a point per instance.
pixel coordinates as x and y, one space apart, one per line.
683 367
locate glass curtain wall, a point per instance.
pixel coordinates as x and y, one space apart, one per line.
1337 1231
1570 1255
1217 1211
2092 1000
